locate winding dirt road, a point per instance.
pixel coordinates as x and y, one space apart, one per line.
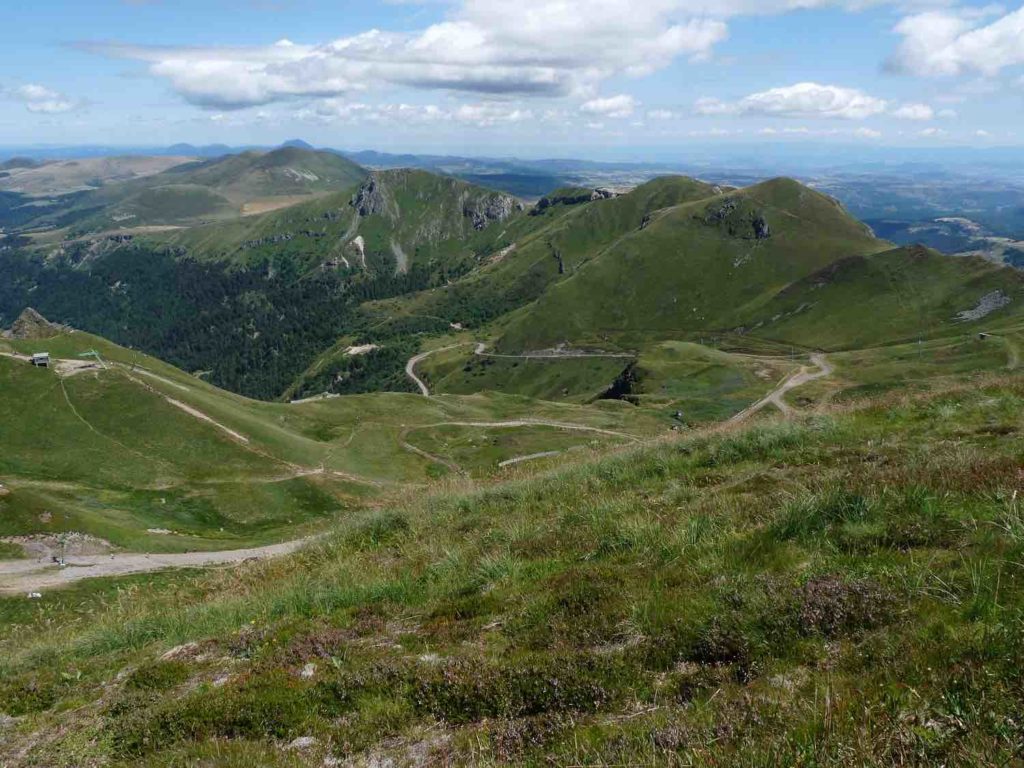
480 350
775 397
24 576
410 367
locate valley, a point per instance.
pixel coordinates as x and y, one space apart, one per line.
335 464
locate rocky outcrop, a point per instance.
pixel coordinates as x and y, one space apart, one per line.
482 212
738 218
283 237
574 197
32 325
372 198
986 305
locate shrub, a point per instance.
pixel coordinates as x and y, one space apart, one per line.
22 697
831 606
464 691
157 676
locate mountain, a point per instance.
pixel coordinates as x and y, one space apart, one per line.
183 193
35 180
254 299
268 304
298 144
744 596
18 162
125 448
683 474
705 265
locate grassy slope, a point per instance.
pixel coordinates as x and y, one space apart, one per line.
844 590
682 274
704 384
459 371
207 190
106 453
578 233
912 293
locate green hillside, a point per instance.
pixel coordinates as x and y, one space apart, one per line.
120 447
912 293
190 193
704 265
685 476
540 250
840 590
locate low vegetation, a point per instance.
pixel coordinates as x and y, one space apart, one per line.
844 589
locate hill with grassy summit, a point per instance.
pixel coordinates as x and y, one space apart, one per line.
683 476
118 445
839 590
397 261
176 193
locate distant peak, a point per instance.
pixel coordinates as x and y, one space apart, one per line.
296 144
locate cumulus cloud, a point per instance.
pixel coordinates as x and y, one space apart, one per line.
921 112
803 100
612 106
42 100
660 114
483 47
933 133
946 43
491 47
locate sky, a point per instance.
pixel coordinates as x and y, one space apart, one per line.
630 79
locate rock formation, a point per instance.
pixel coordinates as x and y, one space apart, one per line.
32 325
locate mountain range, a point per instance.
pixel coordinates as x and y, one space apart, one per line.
305 462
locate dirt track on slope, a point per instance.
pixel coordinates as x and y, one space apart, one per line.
35 575
775 397
410 367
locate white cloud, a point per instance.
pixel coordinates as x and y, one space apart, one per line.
546 48
485 47
802 100
921 112
619 106
945 43
42 100
933 133
867 133
983 134
660 114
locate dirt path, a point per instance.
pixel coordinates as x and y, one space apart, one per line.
775 397
203 417
515 423
551 354
529 457
33 575
410 367
531 423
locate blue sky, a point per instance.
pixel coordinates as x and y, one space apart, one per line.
598 78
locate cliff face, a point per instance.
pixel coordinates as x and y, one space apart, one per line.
409 194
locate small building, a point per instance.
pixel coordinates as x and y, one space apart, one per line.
41 359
